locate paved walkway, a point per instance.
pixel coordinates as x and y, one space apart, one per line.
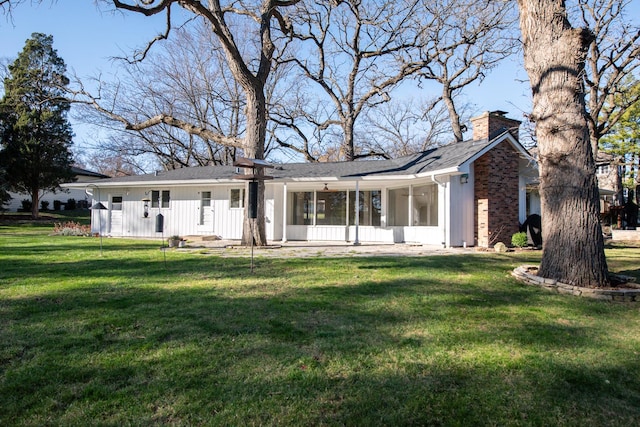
227 248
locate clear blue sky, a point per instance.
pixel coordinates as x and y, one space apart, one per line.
86 38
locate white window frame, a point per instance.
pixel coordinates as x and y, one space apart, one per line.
240 199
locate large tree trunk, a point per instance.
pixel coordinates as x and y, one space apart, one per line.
35 202
254 148
349 147
454 117
554 54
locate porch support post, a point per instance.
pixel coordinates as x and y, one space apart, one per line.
284 214
357 239
410 213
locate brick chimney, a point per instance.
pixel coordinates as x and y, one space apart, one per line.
496 187
491 123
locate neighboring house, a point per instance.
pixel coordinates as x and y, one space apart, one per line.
608 175
467 193
62 196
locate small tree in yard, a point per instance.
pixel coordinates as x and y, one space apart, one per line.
36 135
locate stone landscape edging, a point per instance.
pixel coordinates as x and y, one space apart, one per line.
523 274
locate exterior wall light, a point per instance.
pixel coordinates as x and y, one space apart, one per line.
464 178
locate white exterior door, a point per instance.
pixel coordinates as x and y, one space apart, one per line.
206 211
115 216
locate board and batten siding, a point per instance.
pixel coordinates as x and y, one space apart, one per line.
182 217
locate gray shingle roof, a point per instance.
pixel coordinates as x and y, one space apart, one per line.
433 160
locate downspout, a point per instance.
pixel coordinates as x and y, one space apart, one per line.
357 209
284 213
444 228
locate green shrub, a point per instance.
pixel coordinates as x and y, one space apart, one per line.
519 240
71 205
26 205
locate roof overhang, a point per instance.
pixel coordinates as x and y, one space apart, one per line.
149 184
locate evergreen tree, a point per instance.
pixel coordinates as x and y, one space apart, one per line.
5 197
36 135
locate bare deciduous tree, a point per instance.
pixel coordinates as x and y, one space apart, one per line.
613 55
351 51
554 56
403 127
185 78
464 40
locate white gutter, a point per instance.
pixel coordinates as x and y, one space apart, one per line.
166 183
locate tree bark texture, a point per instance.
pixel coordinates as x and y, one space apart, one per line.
554 54
454 117
254 148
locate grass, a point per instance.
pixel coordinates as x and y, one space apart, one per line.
127 339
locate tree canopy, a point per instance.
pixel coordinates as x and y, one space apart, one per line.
36 134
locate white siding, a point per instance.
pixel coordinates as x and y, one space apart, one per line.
182 217
461 212
371 234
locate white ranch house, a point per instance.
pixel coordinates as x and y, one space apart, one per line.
77 193
467 193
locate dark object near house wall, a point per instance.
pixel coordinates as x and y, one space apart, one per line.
533 227
159 223
631 214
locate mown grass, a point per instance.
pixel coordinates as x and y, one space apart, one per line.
129 339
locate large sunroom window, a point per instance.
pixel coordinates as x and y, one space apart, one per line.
424 202
301 208
425 205
331 208
398 207
370 208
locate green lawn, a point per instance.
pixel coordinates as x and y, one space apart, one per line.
129 338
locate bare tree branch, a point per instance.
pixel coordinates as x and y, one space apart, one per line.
613 56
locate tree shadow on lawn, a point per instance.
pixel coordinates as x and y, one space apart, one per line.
411 350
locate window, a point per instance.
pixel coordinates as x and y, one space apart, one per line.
425 205
399 207
370 207
205 207
160 198
602 169
236 198
116 203
205 199
331 208
301 208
